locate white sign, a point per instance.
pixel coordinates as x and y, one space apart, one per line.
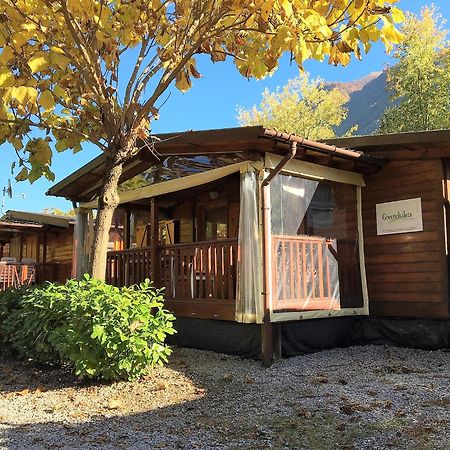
404 216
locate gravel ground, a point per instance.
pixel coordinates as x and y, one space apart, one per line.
356 398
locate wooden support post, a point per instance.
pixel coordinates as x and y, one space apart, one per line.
20 247
267 335
267 342
38 248
44 247
127 231
154 240
79 235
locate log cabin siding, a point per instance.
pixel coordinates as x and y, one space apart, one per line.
407 273
60 252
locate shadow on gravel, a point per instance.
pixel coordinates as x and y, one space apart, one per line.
17 376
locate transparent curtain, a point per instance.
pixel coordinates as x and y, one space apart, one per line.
315 259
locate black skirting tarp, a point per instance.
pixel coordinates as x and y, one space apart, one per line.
220 336
309 336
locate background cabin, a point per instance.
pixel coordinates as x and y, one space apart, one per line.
38 247
34 248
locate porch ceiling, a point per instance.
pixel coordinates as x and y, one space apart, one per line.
247 142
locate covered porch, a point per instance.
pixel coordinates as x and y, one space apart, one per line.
220 249
186 242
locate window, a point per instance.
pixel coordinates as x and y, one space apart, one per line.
213 221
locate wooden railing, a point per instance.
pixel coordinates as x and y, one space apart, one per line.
17 275
201 270
127 267
47 272
304 274
198 270
9 276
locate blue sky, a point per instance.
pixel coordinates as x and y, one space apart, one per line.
211 103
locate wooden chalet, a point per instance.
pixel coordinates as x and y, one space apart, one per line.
252 226
36 247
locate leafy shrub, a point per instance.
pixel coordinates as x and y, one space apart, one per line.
99 330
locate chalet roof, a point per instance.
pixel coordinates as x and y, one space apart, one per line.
24 219
246 143
410 145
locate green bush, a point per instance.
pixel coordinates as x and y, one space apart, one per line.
97 329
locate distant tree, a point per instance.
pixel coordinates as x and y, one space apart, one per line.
420 81
303 107
97 70
58 212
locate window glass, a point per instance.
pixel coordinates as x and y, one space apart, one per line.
216 223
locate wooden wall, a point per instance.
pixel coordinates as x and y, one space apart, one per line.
407 273
60 252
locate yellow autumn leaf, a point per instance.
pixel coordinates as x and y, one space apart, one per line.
23 94
22 175
20 38
60 92
19 93
39 62
7 55
47 101
391 34
266 9
59 60
287 7
6 78
183 82
29 26
42 152
57 50
17 143
397 15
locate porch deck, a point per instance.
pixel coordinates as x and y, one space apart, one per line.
200 278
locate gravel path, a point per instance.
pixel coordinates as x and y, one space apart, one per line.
356 398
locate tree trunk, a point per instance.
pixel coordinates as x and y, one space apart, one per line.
107 204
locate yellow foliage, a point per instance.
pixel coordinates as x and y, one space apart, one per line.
47 101
63 59
6 78
39 62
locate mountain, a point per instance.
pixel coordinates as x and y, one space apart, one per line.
368 100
